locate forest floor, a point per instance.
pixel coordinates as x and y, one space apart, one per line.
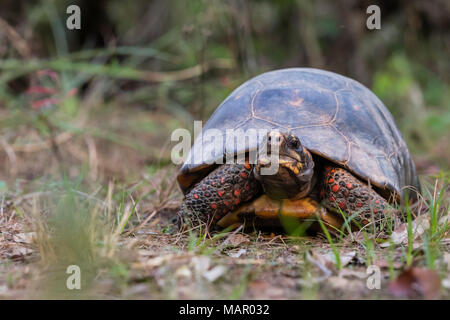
111 218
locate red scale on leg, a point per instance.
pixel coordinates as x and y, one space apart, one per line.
347 192
220 192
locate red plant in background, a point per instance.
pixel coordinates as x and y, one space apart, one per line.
47 90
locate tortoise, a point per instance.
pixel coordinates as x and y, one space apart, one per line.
340 155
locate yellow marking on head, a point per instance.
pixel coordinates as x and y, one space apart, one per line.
287 164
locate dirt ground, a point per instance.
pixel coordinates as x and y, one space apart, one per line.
119 233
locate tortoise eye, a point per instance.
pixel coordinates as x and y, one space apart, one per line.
293 141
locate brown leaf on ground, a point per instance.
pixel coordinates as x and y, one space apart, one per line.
328 258
400 234
416 283
237 239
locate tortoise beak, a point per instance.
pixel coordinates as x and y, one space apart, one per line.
292 154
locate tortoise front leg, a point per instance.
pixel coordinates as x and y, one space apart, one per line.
219 193
341 191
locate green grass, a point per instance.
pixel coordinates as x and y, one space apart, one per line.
114 222
332 244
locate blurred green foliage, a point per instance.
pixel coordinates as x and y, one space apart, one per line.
406 63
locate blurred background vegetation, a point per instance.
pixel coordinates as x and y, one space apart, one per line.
86 117
107 97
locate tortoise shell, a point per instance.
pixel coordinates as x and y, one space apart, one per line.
335 117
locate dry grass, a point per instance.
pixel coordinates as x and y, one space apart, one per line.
119 234
87 180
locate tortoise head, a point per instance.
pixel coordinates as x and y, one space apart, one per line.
284 167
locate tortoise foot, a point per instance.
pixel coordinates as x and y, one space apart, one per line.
344 194
221 192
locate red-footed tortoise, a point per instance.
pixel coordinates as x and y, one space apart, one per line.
339 149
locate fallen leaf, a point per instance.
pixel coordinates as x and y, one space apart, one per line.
446 283
18 251
237 239
238 254
328 259
416 283
201 264
400 234
26 237
183 272
258 286
444 219
3 289
215 273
